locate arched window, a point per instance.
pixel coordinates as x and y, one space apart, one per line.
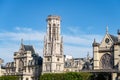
106 61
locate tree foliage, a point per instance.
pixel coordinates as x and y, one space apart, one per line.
66 76
86 75
9 78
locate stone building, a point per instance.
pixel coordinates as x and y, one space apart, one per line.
27 64
53 58
73 65
78 64
107 53
2 69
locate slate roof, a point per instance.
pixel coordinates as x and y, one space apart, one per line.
114 38
29 48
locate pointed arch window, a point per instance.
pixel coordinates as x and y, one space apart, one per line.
49 31
106 61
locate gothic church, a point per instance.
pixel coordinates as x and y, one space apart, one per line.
106 55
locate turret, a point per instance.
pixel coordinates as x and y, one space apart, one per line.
95 43
95 54
118 35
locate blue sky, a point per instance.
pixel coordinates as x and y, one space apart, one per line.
82 21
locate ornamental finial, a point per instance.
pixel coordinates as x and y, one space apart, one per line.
21 40
107 29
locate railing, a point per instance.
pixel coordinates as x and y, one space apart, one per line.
102 70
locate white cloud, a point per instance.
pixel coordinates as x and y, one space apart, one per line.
77 45
33 35
73 29
77 51
23 29
17 28
84 40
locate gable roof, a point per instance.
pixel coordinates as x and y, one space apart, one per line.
114 38
29 48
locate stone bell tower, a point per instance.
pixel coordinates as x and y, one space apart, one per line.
53 58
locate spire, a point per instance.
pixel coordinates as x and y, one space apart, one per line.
21 47
22 41
94 40
88 54
95 43
107 29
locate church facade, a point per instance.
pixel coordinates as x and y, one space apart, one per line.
53 57
106 55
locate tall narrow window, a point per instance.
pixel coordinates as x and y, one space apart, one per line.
29 69
50 33
57 33
54 27
54 32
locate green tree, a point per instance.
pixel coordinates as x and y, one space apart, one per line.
73 76
66 76
9 78
86 75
